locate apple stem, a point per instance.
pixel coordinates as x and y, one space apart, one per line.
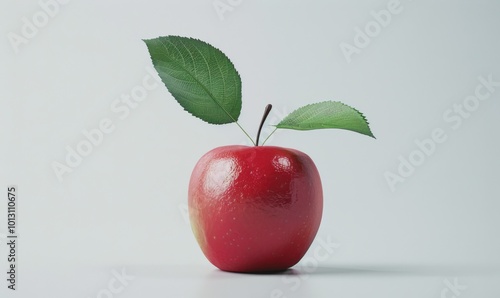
264 117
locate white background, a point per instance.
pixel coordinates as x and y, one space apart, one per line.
123 207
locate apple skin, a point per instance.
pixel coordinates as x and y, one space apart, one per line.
255 208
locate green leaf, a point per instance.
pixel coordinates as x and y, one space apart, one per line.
200 77
327 114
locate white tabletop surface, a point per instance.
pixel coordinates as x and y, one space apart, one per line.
403 280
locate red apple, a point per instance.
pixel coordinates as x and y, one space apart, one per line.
252 209
255 208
